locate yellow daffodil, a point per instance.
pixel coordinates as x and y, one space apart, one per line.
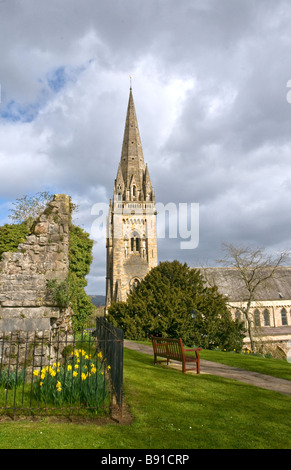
36 372
75 373
69 367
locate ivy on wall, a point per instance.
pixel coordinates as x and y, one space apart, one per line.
80 257
72 291
11 235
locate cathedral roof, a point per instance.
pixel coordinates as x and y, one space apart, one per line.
230 284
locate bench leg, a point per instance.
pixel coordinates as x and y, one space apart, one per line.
198 365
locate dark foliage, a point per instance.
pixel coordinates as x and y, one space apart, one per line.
173 301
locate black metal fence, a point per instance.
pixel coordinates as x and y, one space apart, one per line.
80 375
110 342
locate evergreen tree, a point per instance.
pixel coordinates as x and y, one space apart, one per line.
173 301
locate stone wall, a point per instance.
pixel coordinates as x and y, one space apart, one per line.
25 304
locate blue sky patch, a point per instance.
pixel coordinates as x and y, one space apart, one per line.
53 83
58 79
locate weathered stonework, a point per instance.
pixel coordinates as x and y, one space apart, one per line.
131 229
26 307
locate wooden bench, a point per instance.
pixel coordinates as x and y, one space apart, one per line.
173 349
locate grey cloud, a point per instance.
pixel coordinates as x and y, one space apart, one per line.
229 146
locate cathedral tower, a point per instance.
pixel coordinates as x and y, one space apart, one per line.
131 244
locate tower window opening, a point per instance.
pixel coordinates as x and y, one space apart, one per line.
135 243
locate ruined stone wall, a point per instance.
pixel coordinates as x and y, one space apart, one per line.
25 305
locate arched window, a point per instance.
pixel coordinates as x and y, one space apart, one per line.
134 283
284 316
266 315
237 315
135 242
257 319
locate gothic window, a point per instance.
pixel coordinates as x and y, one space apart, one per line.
257 319
266 315
119 196
237 315
135 242
284 316
134 283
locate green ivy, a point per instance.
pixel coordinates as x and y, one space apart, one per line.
11 235
80 256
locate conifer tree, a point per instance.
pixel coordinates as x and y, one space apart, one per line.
173 301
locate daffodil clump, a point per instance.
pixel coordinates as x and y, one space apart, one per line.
81 381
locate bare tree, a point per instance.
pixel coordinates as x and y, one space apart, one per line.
254 268
28 208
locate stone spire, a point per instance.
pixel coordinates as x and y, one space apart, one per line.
131 242
132 166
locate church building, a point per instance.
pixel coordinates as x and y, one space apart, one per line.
131 240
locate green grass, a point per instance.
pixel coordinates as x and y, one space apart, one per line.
275 367
171 410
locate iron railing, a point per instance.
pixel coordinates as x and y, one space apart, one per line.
66 374
110 341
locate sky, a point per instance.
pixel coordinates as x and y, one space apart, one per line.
211 81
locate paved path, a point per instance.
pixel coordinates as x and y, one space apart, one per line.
214 368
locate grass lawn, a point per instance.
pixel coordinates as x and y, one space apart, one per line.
274 367
170 410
